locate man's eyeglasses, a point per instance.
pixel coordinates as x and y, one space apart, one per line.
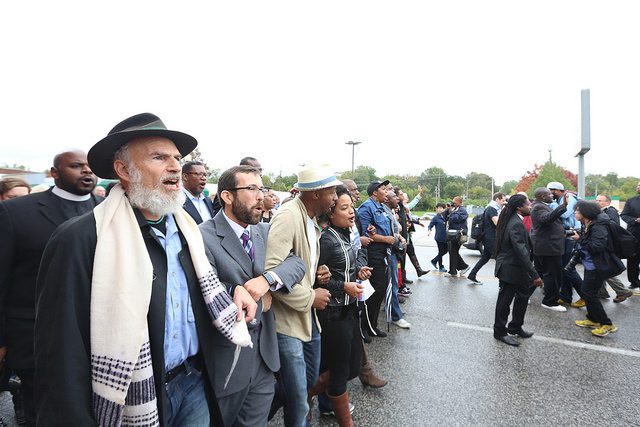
252 188
199 174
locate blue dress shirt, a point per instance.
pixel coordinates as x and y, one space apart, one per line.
180 335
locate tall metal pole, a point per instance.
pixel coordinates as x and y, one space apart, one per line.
585 137
353 155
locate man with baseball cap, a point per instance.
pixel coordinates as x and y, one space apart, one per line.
295 230
376 224
127 302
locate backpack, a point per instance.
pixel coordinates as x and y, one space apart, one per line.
625 245
477 227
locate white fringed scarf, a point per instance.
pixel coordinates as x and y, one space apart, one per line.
122 372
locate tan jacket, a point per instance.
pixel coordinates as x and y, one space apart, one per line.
288 233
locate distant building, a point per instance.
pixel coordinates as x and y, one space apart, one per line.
32 178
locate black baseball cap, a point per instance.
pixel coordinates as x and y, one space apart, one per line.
375 185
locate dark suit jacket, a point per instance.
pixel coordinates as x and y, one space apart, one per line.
629 214
191 209
547 231
513 261
62 335
26 223
233 265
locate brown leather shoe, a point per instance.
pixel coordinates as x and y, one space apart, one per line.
623 296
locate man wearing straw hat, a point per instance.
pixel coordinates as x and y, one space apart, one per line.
127 302
295 230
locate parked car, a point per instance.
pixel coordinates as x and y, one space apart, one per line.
473 244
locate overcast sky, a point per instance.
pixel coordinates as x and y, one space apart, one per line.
484 86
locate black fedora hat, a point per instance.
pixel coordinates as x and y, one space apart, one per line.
141 125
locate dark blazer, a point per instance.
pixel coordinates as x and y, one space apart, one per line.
233 265
62 336
629 215
26 223
191 209
547 231
513 261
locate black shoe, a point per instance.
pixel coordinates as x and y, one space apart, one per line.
521 333
508 340
420 272
380 333
366 338
407 282
634 285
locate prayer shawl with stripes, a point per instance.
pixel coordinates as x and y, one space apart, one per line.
122 374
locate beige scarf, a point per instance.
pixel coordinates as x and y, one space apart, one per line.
122 371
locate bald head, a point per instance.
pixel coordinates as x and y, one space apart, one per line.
542 194
71 172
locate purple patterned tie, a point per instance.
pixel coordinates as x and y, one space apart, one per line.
247 244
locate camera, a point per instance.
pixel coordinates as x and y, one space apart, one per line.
575 259
570 232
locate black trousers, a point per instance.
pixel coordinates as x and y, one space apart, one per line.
379 280
632 269
28 391
488 246
443 249
341 346
590 288
519 294
455 260
550 269
570 279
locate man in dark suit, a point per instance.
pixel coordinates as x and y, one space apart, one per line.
631 216
194 179
26 223
547 236
245 397
514 269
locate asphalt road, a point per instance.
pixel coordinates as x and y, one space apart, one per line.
449 370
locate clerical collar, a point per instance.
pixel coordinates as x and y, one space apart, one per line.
69 196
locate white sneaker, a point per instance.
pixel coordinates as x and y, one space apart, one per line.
464 270
402 324
554 307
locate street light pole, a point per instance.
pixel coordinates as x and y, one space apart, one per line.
353 153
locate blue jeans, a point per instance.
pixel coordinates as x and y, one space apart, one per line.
299 369
396 312
186 400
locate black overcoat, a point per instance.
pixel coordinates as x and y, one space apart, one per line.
62 338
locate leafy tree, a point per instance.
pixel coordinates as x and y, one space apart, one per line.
284 183
552 172
508 187
13 166
363 175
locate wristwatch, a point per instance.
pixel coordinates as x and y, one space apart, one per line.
269 278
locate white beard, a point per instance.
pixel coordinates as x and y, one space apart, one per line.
153 200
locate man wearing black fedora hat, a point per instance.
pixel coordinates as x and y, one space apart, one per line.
127 300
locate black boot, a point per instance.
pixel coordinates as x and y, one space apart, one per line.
416 264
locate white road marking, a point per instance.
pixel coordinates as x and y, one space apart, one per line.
569 343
